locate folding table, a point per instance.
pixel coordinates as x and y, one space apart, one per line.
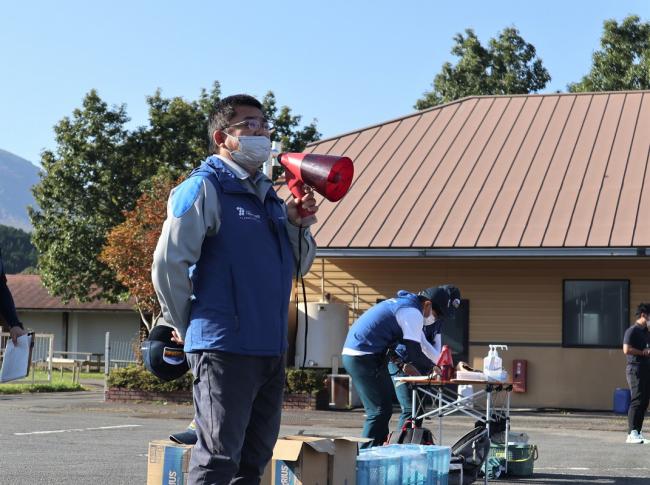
496 395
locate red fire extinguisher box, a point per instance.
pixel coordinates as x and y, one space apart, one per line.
519 375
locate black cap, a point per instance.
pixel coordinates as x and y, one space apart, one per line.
444 299
162 357
643 308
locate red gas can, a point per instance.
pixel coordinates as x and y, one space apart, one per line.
446 364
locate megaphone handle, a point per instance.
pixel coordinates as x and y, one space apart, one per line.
297 189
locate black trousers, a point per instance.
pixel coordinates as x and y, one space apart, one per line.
638 378
237 405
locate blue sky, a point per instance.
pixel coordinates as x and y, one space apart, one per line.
348 64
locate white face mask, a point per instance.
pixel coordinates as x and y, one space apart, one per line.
430 320
253 151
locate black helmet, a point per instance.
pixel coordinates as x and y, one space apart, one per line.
444 299
162 357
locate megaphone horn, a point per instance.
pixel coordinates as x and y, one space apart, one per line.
329 175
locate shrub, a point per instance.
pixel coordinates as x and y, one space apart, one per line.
302 381
305 381
137 377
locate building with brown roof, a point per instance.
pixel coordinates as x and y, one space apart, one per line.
76 326
534 205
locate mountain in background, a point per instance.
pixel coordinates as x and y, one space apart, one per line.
17 176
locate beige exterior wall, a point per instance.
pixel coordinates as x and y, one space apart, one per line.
44 322
86 330
564 377
511 301
92 328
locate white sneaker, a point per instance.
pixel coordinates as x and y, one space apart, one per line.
645 440
634 437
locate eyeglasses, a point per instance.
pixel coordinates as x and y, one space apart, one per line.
254 124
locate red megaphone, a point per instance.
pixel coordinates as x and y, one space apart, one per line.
446 363
329 175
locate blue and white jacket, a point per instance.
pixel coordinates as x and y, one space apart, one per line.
232 231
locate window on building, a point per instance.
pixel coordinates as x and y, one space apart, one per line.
595 313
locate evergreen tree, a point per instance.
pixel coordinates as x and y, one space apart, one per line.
18 253
623 61
509 65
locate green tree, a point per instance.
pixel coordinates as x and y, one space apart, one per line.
286 126
623 61
18 253
176 138
509 65
84 187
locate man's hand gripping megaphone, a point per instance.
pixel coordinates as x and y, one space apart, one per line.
307 203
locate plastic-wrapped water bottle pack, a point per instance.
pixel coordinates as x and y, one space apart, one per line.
404 465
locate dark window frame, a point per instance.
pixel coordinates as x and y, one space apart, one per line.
564 324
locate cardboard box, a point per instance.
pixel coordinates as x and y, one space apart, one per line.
343 467
168 463
315 460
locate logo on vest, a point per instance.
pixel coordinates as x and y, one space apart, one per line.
246 215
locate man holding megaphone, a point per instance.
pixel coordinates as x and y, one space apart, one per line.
240 242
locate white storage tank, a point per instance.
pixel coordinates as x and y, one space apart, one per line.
326 332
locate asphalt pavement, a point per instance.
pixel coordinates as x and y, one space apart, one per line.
77 438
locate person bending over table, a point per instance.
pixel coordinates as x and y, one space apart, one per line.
445 300
383 327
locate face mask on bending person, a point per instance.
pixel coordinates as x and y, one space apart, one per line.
253 151
430 320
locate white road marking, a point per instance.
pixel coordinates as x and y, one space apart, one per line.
590 468
76 430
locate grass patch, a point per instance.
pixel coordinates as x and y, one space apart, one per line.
29 388
59 383
41 375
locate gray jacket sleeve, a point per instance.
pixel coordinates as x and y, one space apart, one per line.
178 248
307 248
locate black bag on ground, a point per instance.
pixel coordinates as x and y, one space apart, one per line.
410 435
470 452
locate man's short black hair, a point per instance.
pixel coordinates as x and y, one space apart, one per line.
224 111
643 308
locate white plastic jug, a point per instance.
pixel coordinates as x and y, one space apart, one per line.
465 391
492 364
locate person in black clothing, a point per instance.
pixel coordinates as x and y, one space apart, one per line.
636 346
8 308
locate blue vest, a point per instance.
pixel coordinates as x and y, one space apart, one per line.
242 281
377 329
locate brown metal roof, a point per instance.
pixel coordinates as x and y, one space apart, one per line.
30 294
535 171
